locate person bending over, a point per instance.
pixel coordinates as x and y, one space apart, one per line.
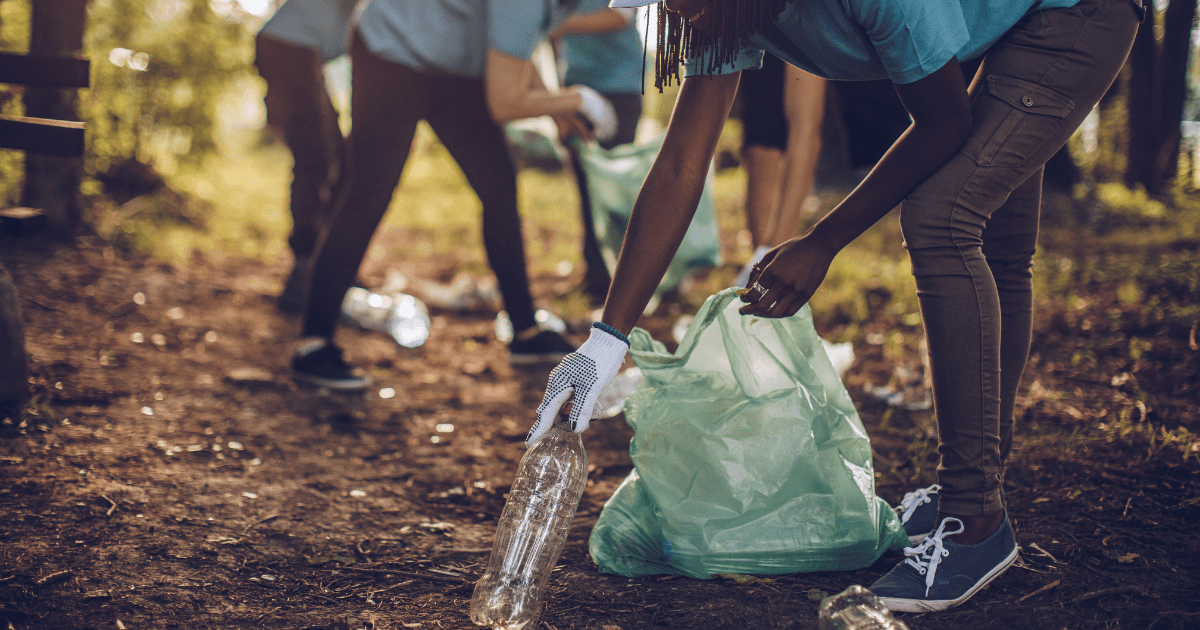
968 171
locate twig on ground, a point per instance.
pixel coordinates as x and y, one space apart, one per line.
112 505
53 577
1040 590
426 576
1043 552
48 308
259 522
1118 590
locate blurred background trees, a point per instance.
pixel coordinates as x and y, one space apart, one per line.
161 69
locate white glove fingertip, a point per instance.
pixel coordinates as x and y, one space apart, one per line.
547 412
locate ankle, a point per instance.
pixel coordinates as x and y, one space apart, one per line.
975 528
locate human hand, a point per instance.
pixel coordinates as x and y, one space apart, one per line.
572 125
598 112
584 374
786 278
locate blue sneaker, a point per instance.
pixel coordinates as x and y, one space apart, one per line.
939 573
918 512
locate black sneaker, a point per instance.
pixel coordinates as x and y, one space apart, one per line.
319 362
545 347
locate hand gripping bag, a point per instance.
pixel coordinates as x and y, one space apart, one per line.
614 177
748 455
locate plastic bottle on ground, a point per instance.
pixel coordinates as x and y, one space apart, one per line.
545 320
856 608
532 532
401 316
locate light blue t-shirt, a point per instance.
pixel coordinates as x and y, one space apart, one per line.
453 36
901 40
322 25
606 62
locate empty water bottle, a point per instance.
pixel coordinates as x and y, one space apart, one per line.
856 608
401 316
545 320
532 532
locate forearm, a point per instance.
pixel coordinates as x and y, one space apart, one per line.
914 156
603 21
669 196
941 113
515 91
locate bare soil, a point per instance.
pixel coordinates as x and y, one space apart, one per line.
169 474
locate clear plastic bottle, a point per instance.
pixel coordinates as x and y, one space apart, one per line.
532 532
401 316
857 608
545 320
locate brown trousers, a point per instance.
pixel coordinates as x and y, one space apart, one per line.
971 230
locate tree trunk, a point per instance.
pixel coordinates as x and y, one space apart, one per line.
51 181
1177 39
1157 92
1143 104
14 385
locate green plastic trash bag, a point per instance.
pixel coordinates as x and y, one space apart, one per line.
532 143
614 177
748 455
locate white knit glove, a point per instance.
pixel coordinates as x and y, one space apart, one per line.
598 111
584 373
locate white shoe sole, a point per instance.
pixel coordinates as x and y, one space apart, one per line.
357 385
922 605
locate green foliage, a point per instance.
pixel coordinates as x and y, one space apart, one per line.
14 37
158 72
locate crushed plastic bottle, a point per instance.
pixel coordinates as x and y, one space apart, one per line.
856 608
532 532
401 316
545 320
612 398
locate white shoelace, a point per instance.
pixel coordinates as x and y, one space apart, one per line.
926 556
913 499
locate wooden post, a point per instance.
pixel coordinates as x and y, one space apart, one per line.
52 181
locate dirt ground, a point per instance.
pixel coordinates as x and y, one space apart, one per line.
170 475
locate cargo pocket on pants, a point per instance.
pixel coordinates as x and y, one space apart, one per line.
1029 115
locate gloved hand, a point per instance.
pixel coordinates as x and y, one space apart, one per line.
584 373
598 111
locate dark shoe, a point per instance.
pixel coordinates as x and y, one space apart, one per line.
295 289
545 347
918 512
939 573
319 362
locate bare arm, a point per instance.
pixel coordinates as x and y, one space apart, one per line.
941 113
668 198
515 91
804 106
602 21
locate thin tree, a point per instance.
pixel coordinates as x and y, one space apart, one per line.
1157 92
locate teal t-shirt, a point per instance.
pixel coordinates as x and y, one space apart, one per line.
322 25
901 40
606 62
453 36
